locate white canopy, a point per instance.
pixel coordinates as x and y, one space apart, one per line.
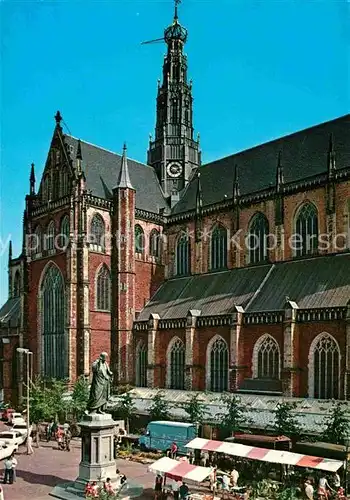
178 470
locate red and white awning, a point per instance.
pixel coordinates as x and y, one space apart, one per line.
265 455
178 470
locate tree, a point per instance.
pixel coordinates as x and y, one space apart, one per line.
195 409
159 409
80 397
234 419
126 409
338 425
286 422
46 399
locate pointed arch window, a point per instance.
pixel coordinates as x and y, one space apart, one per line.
97 233
217 366
154 243
36 241
64 182
183 256
266 358
64 233
50 236
306 230
176 365
324 368
141 364
103 289
219 248
257 239
53 319
17 284
139 239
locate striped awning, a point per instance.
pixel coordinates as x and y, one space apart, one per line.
265 455
179 470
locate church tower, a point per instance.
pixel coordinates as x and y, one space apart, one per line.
174 153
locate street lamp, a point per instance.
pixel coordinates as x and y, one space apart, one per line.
347 445
27 353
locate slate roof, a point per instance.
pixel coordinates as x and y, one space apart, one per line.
303 154
214 293
102 169
311 413
317 282
10 313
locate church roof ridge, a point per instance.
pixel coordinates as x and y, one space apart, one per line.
107 150
279 138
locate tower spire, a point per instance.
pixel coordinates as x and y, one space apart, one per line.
10 251
124 178
32 181
175 10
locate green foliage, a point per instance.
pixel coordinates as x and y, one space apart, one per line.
338 428
80 396
234 418
159 409
286 422
126 408
195 409
46 399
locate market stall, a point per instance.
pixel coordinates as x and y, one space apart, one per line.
265 455
180 470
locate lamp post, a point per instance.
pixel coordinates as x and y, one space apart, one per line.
27 353
347 446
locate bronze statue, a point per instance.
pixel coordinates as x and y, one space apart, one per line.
100 386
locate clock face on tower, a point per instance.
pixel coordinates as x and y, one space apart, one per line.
174 169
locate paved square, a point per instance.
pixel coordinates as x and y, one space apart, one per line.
37 474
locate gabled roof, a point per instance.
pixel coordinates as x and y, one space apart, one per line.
303 154
317 282
10 313
102 169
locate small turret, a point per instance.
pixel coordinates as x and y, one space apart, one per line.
199 197
124 178
10 251
279 173
331 157
235 185
79 157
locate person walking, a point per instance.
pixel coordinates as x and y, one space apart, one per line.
67 439
173 450
30 443
10 469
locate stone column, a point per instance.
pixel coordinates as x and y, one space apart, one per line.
152 378
236 368
190 378
290 377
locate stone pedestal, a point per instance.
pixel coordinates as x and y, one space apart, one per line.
97 460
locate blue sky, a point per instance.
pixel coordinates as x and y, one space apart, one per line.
261 69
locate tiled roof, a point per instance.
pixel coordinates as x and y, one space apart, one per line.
317 282
303 154
311 413
102 169
10 312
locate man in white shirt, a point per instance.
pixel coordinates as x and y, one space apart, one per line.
234 477
225 482
309 490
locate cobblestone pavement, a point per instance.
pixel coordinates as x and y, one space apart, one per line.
37 474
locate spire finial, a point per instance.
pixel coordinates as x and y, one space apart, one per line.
32 180
331 155
279 172
124 178
10 250
79 155
175 13
58 118
235 184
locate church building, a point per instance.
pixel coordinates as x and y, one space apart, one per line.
229 276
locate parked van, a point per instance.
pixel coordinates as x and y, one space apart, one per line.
160 436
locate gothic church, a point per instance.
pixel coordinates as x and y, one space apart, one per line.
229 276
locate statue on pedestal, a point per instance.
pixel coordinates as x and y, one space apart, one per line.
100 390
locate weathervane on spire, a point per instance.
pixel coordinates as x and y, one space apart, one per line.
176 4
